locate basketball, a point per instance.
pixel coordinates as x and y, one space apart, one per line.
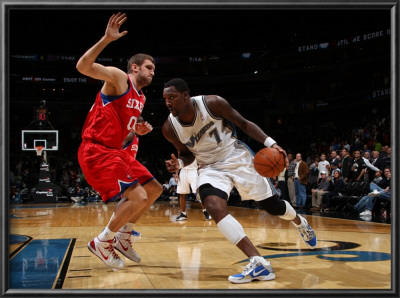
269 162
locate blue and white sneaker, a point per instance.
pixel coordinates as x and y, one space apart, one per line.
257 269
307 233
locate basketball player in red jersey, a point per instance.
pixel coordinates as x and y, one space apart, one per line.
107 167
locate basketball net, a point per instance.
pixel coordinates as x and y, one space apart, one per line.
39 150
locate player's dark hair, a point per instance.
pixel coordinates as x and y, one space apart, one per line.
179 84
138 59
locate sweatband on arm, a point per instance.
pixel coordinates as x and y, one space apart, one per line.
181 164
269 142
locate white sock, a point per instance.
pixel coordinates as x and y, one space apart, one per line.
183 212
302 224
128 227
106 235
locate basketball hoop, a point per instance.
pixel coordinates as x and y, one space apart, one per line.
39 150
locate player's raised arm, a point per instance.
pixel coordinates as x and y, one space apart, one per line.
86 64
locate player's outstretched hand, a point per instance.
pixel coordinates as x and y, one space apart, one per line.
172 164
143 128
113 26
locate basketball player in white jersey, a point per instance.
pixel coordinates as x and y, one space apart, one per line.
187 183
200 128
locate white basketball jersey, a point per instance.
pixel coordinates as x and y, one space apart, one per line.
209 138
192 166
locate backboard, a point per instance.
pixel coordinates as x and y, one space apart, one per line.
45 138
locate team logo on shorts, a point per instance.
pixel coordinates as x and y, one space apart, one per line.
129 177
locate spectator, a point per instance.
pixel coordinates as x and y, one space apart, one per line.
383 152
378 146
281 185
365 149
323 164
318 192
300 181
313 172
377 161
370 167
378 177
345 165
336 188
387 159
358 167
173 183
334 161
381 190
290 179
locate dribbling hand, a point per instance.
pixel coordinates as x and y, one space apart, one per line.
276 146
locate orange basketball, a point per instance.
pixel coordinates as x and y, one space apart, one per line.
269 162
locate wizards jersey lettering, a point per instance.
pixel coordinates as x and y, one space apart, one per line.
208 137
195 138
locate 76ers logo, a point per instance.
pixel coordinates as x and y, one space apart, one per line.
135 104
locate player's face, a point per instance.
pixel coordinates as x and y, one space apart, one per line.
174 100
146 72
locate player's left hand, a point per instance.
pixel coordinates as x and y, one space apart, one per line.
172 164
143 128
276 146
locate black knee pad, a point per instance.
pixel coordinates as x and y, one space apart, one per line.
206 190
273 205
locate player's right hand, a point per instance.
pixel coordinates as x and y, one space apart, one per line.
114 23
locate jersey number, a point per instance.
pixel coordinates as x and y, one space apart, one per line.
216 135
132 123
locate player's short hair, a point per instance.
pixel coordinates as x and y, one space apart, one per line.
179 84
138 59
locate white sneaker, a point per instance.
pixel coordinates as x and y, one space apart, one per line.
307 233
257 269
123 243
375 193
366 212
105 251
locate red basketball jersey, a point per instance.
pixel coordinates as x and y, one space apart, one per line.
112 117
133 146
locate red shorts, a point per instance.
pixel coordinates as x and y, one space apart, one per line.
110 171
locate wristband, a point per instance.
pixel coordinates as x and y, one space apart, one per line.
181 164
269 142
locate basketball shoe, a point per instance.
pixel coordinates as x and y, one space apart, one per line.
307 233
123 243
105 251
181 217
206 215
257 269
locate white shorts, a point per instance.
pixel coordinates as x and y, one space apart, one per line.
237 170
187 180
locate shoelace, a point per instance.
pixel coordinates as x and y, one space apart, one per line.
110 248
249 267
307 232
128 238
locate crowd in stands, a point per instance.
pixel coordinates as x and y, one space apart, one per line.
359 155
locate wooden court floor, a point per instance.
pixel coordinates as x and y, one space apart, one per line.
193 254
